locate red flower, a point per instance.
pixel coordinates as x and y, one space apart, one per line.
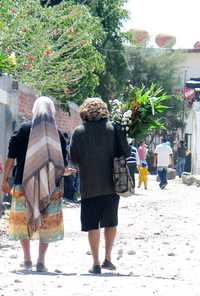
48 52
31 58
14 10
28 66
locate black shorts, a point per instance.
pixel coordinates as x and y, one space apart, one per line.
100 211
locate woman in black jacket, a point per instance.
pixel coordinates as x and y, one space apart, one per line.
92 148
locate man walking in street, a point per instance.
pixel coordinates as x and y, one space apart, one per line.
163 157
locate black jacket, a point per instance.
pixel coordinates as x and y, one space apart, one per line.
17 149
92 148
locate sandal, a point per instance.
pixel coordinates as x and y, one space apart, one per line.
40 267
27 265
108 265
96 269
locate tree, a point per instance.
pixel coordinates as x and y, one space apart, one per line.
55 47
111 14
7 63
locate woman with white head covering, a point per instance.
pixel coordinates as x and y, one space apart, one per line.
36 212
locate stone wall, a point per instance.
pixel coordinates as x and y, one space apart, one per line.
65 121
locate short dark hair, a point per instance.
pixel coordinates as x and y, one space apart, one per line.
163 139
93 109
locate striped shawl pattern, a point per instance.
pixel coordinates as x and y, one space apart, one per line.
43 168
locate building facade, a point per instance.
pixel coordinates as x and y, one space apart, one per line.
190 69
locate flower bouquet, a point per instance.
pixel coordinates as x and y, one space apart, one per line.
141 112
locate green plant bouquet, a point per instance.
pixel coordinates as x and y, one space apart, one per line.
141 112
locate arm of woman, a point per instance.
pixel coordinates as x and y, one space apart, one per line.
7 170
13 148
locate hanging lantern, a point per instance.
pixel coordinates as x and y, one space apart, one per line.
165 41
197 45
139 37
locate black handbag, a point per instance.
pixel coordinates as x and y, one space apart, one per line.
121 177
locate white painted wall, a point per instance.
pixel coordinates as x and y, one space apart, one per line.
8 112
195 138
190 68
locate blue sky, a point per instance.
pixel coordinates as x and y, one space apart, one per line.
179 18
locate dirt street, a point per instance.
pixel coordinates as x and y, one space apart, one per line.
156 251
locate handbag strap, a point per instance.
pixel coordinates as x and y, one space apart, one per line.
129 175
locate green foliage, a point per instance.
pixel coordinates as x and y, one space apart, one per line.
147 66
7 63
147 105
55 47
111 14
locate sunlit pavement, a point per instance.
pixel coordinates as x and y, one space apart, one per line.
156 251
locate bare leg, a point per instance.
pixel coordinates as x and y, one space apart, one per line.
26 249
110 234
94 240
42 252
145 184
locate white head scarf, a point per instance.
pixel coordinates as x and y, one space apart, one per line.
42 106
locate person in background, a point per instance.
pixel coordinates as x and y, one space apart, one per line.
143 174
163 157
188 160
36 210
133 161
92 148
181 155
142 151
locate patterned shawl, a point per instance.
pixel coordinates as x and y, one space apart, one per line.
44 162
